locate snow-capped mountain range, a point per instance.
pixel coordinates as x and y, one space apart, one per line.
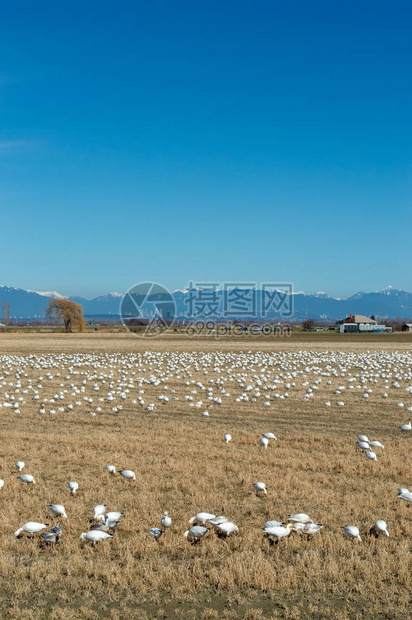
388 302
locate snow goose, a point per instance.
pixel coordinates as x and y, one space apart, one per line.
370 455
260 487
155 533
362 438
20 465
279 532
114 516
31 527
56 529
406 427
376 444
380 527
73 486
269 436
111 469
264 442
406 495
50 538
27 478
202 517
363 445
58 510
196 532
99 511
128 474
269 524
166 521
300 517
1 483
352 532
226 528
95 536
227 438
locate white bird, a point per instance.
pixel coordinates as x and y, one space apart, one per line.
31 527
371 455
279 532
111 469
99 511
406 495
227 527
1 483
380 527
58 510
218 520
51 538
114 516
352 532
128 474
401 491
166 521
363 445
27 478
73 486
264 442
260 487
95 536
20 465
269 524
311 528
269 436
202 517
196 532
300 517
227 438
406 427
376 444
362 438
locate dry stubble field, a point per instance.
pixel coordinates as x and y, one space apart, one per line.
183 466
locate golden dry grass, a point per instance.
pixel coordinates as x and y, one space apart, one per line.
183 465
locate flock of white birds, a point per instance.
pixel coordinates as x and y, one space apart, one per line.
102 384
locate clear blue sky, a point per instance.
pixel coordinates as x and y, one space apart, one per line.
205 140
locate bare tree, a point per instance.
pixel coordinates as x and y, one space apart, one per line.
308 324
67 311
6 313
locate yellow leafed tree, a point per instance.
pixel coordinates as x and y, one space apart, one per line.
67 311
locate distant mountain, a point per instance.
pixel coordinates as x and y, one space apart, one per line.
388 303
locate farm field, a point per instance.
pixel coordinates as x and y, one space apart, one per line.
183 465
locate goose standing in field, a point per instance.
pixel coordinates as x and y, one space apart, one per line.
371 455
95 536
362 438
406 427
202 517
111 469
260 487
1 483
114 516
380 527
155 533
27 478
264 442
406 495
402 490
352 532
73 487
279 532
226 528
128 474
227 438
196 532
31 527
376 444
307 528
56 529
300 517
269 436
217 520
269 524
58 510
20 465
99 511
166 521
363 445
50 538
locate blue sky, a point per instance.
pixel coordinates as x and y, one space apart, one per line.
180 141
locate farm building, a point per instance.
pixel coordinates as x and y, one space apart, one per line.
359 323
407 327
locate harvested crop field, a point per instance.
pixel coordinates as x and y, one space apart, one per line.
183 465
